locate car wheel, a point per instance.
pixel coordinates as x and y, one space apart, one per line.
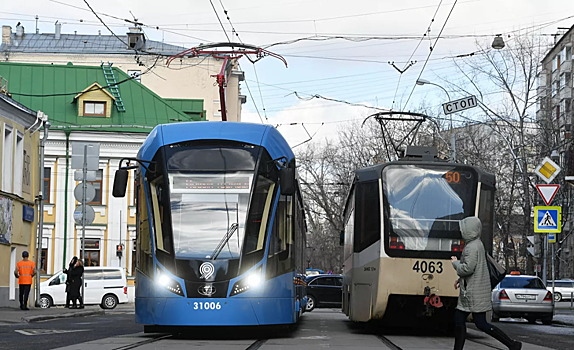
547 320
557 297
531 320
45 301
494 317
311 303
109 301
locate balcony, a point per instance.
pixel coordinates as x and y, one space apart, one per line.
565 92
566 66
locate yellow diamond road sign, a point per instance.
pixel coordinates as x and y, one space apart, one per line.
547 170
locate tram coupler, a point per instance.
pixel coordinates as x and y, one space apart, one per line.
431 301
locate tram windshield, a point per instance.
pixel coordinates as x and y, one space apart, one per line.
209 212
423 205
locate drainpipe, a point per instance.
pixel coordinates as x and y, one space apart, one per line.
67 131
46 124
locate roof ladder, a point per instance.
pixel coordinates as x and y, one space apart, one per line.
111 83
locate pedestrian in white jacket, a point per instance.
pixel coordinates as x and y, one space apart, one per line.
474 284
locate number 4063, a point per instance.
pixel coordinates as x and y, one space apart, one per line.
430 267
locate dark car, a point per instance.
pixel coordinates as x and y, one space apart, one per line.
324 290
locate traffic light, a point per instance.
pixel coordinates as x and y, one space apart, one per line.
119 250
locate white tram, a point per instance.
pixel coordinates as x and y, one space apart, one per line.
401 228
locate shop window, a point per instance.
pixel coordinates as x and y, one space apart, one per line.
91 258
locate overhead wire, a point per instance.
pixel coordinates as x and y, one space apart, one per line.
431 51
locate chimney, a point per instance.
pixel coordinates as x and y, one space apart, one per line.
136 39
6 35
58 31
19 31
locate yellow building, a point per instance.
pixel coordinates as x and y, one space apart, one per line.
19 184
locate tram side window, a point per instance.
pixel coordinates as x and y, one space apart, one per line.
300 238
158 199
144 261
281 243
486 215
367 215
349 226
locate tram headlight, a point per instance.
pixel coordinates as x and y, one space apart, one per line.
168 283
253 280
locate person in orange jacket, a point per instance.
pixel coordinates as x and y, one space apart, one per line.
25 271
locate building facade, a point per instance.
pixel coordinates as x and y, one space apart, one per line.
19 184
81 110
133 53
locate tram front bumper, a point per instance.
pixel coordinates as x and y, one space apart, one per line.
214 311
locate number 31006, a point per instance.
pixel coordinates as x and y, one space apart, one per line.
431 267
206 305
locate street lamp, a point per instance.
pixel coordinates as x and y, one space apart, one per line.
452 139
498 42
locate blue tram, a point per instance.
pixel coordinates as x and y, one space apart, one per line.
220 226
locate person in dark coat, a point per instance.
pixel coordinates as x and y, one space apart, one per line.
75 277
68 272
474 284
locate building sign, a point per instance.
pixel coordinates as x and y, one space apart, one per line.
459 105
5 220
92 243
27 213
27 171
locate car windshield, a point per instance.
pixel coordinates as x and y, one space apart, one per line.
522 282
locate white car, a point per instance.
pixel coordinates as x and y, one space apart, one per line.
563 289
104 286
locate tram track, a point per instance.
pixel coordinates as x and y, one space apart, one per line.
254 346
389 343
143 342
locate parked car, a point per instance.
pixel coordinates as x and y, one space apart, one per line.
563 289
324 290
522 296
104 286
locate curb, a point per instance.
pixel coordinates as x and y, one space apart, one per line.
31 319
562 323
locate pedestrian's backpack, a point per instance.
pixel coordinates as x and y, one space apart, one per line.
495 271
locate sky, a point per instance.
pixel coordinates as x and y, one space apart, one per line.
350 69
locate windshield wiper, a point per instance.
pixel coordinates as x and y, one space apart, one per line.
224 240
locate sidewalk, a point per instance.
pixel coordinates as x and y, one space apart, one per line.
14 315
564 319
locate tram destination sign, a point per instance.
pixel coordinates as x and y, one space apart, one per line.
198 183
459 105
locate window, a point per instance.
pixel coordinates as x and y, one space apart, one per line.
97 109
133 270
136 74
555 64
367 215
46 189
18 163
112 274
43 260
91 258
568 53
98 187
157 191
7 164
562 81
554 86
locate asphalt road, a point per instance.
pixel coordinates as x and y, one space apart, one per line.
320 328
62 332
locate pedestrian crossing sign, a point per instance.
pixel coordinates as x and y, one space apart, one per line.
547 219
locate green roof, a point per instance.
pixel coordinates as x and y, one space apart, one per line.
29 84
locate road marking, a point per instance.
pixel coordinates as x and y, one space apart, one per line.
48 331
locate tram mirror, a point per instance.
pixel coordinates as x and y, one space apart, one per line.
342 238
287 181
120 183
